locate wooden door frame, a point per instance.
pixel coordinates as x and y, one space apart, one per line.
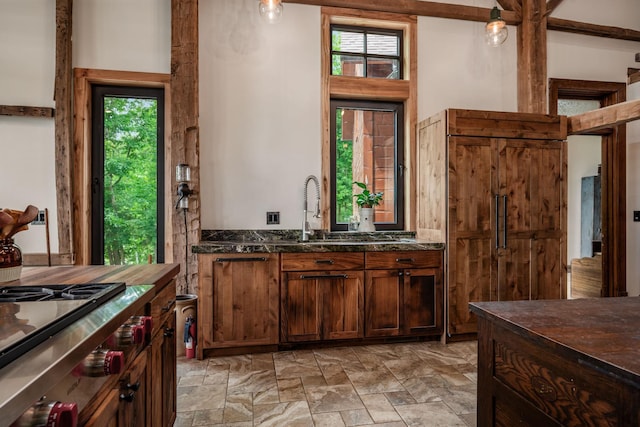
614 163
83 80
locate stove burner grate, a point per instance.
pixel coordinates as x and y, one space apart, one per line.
50 292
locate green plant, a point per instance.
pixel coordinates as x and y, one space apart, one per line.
367 199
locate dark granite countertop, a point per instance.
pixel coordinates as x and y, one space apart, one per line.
274 241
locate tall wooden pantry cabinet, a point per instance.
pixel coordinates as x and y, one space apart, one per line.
492 186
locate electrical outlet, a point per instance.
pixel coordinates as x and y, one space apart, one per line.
39 219
273 218
636 216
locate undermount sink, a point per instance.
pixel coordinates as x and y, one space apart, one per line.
356 242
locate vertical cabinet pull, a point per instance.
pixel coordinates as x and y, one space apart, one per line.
504 236
497 221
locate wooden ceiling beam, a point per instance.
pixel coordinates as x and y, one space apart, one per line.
592 29
477 14
513 5
605 117
417 7
551 5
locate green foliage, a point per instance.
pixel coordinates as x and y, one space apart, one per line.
367 199
130 201
344 173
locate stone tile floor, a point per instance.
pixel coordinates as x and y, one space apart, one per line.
404 384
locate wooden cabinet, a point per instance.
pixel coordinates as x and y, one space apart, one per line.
239 300
322 296
403 293
127 405
492 186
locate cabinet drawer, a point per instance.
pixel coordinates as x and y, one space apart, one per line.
403 259
555 386
321 261
162 305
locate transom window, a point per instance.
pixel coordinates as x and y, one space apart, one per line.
366 52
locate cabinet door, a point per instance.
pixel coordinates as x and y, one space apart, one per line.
133 394
384 297
240 293
162 386
472 233
532 247
342 306
422 301
302 306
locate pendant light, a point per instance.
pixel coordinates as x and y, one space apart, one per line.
271 10
496 29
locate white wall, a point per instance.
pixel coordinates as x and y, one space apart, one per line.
260 118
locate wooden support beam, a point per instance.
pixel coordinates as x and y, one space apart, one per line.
606 117
18 110
63 123
513 5
417 7
184 138
592 29
633 76
532 58
551 5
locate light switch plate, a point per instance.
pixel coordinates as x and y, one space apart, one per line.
636 216
273 218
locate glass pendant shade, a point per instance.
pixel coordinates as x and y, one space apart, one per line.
496 29
271 10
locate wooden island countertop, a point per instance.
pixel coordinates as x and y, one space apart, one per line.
559 362
145 274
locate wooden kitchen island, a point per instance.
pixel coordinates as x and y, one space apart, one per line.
559 362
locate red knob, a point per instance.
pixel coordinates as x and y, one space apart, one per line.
63 415
147 322
137 333
113 362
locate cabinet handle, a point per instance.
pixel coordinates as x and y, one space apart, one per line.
497 221
504 236
251 259
128 397
405 259
323 276
167 307
134 387
168 332
400 273
324 261
408 273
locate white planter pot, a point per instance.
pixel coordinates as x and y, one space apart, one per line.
366 220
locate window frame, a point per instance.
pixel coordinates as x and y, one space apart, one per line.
398 109
374 89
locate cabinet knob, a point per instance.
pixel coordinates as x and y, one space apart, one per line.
168 332
408 273
127 397
399 273
134 387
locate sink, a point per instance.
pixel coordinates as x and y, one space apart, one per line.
355 242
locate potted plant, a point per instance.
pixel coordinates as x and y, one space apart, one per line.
366 200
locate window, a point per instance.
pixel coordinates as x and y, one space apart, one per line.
367 145
370 109
364 52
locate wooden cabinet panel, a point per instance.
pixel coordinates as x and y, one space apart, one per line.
383 299
322 261
163 378
403 259
505 224
423 307
322 305
404 302
239 303
302 308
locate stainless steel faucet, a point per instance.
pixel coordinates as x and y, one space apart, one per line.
306 231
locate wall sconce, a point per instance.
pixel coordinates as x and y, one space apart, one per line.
270 10
183 177
496 29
